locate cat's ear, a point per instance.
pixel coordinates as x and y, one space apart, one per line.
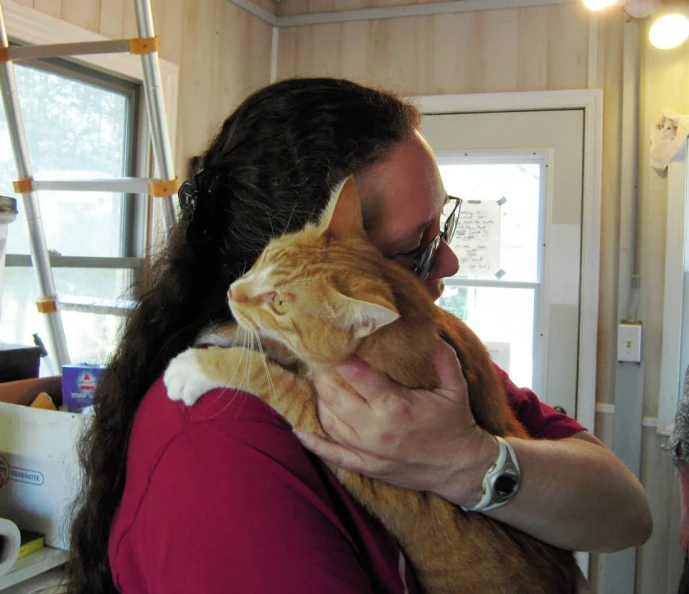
342 216
365 317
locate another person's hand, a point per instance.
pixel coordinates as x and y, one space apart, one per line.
418 439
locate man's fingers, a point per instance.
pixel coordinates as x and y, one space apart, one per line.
371 385
333 389
335 427
447 366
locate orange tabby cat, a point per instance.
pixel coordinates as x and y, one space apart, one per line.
326 293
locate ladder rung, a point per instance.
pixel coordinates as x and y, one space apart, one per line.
115 307
77 261
30 52
128 185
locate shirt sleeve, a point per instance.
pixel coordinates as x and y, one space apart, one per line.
224 513
540 420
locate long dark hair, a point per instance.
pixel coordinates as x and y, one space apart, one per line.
271 168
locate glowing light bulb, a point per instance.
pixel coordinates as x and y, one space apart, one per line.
669 30
597 5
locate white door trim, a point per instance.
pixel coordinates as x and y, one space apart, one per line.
591 102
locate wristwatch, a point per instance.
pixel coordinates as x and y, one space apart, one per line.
501 481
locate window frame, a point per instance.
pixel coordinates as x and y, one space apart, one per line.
134 210
27 26
539 286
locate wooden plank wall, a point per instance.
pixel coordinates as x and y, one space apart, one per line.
222 51
454 53
224 54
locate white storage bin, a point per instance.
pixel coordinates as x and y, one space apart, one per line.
39 472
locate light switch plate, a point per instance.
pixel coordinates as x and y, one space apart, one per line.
629 342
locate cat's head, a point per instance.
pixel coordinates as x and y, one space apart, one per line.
318 291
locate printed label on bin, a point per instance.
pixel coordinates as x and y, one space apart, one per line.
4 472
21 475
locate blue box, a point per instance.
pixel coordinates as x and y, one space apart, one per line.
79 385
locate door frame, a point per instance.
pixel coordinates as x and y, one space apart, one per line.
591 102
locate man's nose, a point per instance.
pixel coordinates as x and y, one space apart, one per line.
445 264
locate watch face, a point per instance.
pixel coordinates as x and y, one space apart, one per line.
504 485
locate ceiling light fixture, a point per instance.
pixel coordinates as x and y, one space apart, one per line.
669 30
670 27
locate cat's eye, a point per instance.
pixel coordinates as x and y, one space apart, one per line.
279 303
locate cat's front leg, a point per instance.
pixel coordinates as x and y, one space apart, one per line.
195 371
185 378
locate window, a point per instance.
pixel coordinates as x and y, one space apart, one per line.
498 242
80 124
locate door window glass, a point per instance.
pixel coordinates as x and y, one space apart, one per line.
499 246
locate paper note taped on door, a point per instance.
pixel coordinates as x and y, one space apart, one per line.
477 240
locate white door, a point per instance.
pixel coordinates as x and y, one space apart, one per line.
519 239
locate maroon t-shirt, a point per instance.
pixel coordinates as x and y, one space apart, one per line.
221 497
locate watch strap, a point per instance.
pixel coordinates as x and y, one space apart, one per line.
505 463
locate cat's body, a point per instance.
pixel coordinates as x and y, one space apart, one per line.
358 302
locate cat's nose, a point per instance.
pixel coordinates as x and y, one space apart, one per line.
236 294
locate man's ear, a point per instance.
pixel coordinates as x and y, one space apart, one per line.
343 216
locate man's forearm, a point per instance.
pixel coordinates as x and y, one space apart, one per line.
577 495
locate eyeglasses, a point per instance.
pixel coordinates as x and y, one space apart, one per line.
424 257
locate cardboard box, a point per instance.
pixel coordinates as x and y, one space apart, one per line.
39 472
24 391
79 385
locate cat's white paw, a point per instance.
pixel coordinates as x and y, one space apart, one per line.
185 379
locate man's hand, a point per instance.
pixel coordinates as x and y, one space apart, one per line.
416 439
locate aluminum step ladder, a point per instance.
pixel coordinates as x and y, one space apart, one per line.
163 186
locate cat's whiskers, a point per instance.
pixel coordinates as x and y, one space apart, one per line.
243 366
289 220
271 387
272 228
246 346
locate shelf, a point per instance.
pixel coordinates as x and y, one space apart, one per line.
34 564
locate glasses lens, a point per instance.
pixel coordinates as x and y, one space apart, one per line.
454 204
424 263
